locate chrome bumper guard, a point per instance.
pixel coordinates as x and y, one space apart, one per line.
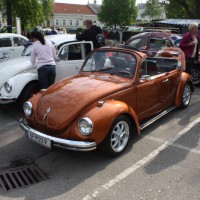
5 100
59 142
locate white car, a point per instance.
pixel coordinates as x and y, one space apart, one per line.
19 78
11 45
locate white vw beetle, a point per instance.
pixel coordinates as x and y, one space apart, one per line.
11 45
19 78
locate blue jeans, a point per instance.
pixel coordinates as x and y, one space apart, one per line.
46 75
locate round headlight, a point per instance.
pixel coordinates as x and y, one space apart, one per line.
28 108
8 87
85 126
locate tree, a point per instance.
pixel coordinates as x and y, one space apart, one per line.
31 12
183 9
117 12
153 9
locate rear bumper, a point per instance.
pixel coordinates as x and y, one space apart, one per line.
59 142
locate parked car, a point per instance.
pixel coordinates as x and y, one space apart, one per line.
117 93
19 78
11 45
150 42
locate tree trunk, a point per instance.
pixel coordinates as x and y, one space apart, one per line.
9 15
196 10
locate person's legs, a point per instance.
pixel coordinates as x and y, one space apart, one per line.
52 75
43 77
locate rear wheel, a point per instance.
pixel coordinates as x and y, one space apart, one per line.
186 96
118 137
28 91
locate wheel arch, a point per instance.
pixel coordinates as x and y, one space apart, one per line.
103 117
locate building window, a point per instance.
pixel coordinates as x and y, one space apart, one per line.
70 23
57 22
77 22
64 22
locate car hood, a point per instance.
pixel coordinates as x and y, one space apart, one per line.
67 99
12 67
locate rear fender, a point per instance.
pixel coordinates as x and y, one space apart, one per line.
103 117
184 80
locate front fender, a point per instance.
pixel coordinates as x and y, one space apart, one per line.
185 79
18 83
103 117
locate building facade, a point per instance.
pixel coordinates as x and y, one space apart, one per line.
73 16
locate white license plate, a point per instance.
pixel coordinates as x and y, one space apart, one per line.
39 139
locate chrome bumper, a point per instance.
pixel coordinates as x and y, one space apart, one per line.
59 142
6 100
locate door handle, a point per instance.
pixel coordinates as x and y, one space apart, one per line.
165 80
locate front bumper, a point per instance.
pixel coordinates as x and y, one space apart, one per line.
6 100
59 142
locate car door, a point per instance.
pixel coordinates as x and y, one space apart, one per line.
152 90
6 49
19 44
71 56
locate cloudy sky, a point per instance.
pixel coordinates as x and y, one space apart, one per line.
90 1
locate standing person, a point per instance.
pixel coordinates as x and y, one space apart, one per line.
53 31
92 33
190 45
43 54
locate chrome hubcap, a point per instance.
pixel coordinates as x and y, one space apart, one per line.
186 95
120 136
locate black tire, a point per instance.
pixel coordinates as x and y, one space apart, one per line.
117 138
29 90
186 97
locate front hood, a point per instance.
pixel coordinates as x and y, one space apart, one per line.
12 67
65 100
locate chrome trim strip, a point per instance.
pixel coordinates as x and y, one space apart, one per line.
59 142
5 100
152 120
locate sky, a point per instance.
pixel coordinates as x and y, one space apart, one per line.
90 1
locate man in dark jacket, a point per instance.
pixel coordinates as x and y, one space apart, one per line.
92 33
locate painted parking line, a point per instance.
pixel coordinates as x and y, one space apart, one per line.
174 144
97 192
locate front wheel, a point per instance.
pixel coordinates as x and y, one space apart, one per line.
187 93
118 137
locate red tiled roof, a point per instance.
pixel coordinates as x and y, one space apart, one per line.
72 9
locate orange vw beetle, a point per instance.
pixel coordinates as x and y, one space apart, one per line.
117 93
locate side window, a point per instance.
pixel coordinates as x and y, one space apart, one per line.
140 43
71 52
149 67
74 52
19 41
63 55
5 42
156 44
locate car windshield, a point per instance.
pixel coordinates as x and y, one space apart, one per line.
27 50
113 62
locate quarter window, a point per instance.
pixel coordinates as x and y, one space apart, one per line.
5 42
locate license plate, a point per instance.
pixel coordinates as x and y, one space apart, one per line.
39 139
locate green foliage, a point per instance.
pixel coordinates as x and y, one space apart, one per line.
153 9
183 9
117 12
31 12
